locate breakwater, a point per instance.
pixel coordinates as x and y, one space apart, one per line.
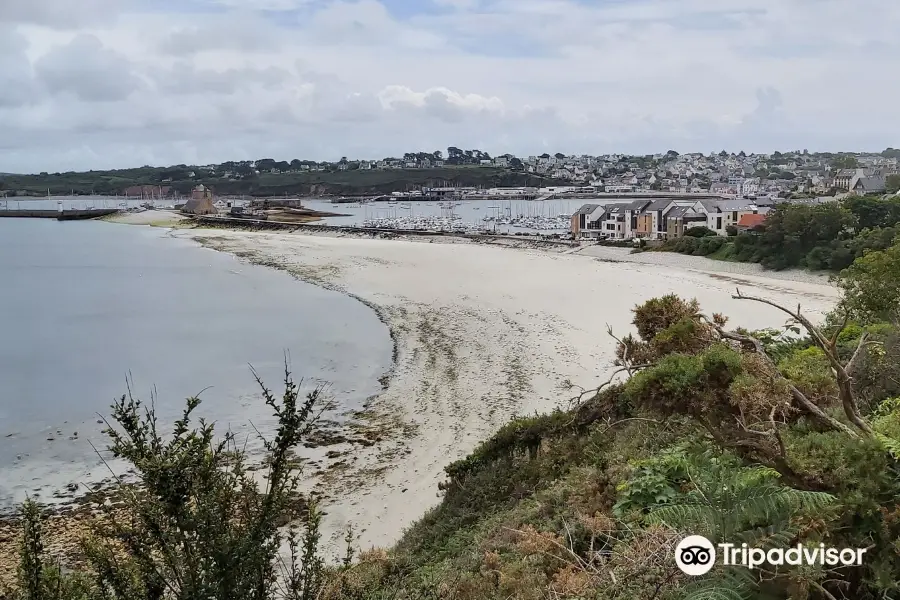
64 215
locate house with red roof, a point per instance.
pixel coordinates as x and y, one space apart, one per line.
749 222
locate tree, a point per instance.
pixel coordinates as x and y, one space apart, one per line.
699 232
455 156
559 156
844 161
873 211
892 183
671 154
516 164
265 165
871 285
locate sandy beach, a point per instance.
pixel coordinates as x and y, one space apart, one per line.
484 333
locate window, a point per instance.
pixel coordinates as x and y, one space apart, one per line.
718 222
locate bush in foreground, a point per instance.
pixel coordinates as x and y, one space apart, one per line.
196 525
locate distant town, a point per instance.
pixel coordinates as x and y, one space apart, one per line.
722 173
474 172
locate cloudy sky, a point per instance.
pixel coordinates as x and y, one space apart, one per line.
115 83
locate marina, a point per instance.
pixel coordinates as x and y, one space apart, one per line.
455 223
522 217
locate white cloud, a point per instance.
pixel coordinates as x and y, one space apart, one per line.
118 82
62 14
88 70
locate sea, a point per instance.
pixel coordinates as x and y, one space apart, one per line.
90 310
468 212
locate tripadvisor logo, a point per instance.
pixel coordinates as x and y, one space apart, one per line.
696 555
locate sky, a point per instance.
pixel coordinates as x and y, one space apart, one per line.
96 84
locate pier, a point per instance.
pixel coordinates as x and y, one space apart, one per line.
59 215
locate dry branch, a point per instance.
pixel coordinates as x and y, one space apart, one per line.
829 347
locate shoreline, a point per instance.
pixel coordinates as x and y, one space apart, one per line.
480 335
384 470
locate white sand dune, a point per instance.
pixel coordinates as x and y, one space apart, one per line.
483 333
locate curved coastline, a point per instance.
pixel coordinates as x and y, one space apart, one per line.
481 334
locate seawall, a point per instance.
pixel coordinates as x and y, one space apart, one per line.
66 215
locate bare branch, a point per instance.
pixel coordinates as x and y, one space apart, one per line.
844 381
799 396
837 333
594 391
863 342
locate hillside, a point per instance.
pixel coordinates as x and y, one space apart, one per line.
316 183
712 439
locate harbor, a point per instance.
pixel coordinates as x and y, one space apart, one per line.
488 224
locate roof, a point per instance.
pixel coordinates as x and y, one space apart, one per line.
736 204
678 211
750 221
199 206
709 205
871 184
684 211
637 204
587 209
659 204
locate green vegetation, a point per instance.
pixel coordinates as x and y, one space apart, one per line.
264 184
770 438
892 183
826 237
844 161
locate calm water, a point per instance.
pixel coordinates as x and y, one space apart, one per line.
469 211
82 304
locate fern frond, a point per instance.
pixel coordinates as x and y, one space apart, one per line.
773 503
728 584
890 444
697 518
717 593
778 535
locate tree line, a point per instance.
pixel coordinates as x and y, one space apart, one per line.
819 237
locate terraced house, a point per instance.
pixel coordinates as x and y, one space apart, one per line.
661 219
